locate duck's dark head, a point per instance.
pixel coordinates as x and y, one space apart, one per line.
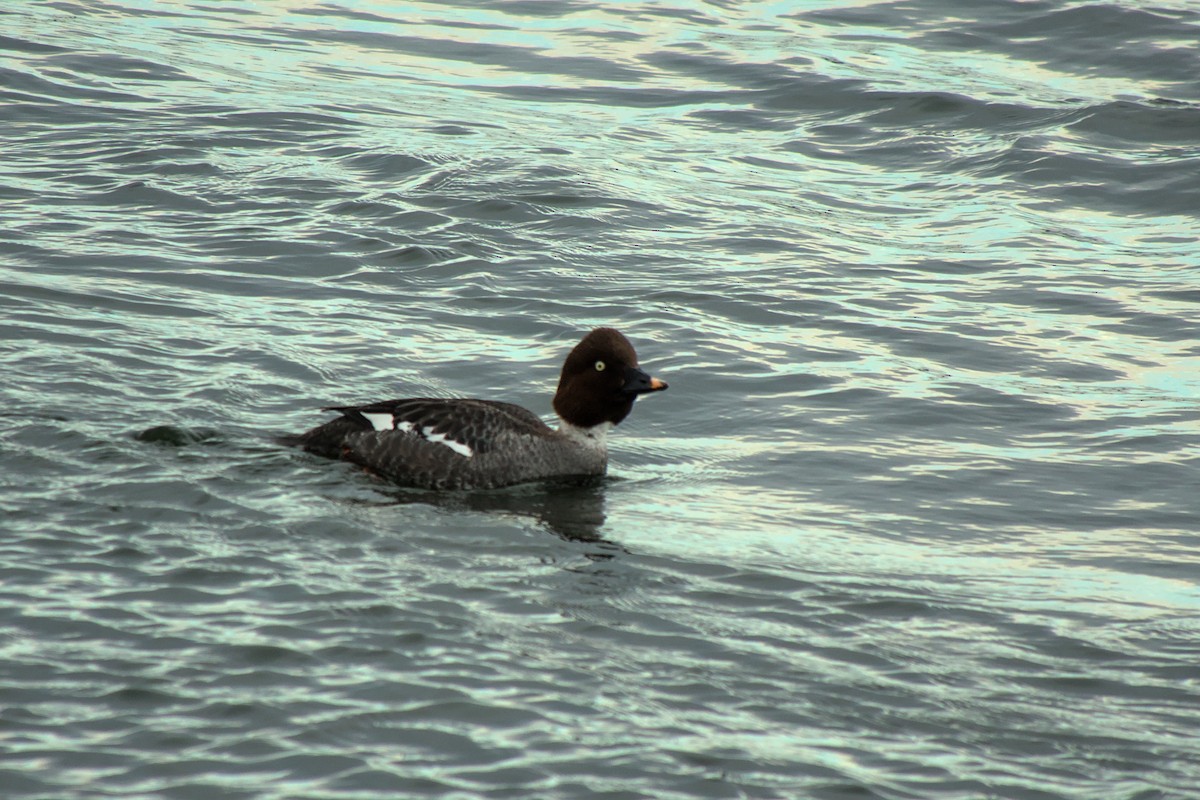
600 380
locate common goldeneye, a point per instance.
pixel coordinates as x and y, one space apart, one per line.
482 444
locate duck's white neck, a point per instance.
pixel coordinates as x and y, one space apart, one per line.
595 436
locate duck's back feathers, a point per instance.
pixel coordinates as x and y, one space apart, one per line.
449 444
467 426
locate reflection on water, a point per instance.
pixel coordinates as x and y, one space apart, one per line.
572 510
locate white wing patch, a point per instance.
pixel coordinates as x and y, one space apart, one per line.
382 422
433 436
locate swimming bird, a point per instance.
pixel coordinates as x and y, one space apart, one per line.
433 443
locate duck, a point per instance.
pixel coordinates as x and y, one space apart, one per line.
469 443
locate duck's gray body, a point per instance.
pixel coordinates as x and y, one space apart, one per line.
457 444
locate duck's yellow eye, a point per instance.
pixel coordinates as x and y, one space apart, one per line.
600 365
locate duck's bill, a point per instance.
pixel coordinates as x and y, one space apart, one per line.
638 382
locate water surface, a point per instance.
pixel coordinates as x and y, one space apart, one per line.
917 519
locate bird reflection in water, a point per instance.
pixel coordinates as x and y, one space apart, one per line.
570 508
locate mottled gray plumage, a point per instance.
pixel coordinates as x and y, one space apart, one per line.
481 444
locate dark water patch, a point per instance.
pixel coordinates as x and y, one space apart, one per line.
27 46
1095 20
412 255
15 193
118 67
139 194
163 157
1156 326
139 697
718 68
1179 295
453 130
956 112
1099 181
974 408
575 200
1057 300
1124 125
387 165
1097 38
736 120
37 91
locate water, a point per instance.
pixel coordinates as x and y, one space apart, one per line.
918 517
